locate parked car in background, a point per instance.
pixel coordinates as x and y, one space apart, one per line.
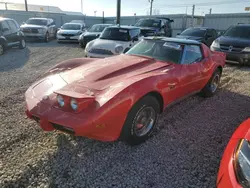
10 35
155 26
235 42
93 33
114 40
201 34
70 32
39 28
122 96
234 169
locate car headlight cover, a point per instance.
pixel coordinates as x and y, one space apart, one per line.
118 49
216 44
242 163
247 49
74 104
60 101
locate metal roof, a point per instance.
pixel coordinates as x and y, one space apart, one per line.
176 40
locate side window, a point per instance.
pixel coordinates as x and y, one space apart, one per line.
12 26
209 32
214 33
134 33
192 53
5 26
17 25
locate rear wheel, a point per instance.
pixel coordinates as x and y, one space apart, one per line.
141 120
1 48
213 84
22 44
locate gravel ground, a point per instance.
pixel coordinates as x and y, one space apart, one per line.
184 152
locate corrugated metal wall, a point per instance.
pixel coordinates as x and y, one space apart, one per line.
223 21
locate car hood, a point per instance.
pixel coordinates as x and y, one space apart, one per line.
62 31
33 26
92 34
109 44
189 37
103 73
233 41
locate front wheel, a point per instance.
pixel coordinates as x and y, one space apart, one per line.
46 38
141 120
22 44
213 84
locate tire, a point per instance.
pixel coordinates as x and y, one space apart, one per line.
22 44
211 87
141 121
1 49
82 45
46 39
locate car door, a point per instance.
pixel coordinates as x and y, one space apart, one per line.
191 77
14 32
6 32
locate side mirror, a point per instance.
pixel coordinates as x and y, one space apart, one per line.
178 33
136 39
23 23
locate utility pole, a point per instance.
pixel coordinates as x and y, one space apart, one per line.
151 6
118 12
26 5
192 22
82 6
210 11
103 17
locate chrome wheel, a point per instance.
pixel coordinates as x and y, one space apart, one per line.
144 121
215 83
1 49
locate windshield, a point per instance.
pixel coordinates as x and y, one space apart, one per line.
71 27
238 31
148 23
37 22
115 34
196 32
160 50
97 28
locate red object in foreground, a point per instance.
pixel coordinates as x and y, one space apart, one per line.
122 95
234 167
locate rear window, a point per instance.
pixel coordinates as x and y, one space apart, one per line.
238 31
196 32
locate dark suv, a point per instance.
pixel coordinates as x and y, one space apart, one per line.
10 35
235 42
155 26
201 34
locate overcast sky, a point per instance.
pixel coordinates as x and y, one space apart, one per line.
141 7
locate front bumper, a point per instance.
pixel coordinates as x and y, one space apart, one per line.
70 39
34 35
234 57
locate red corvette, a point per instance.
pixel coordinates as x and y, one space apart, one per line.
122 96
235 165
